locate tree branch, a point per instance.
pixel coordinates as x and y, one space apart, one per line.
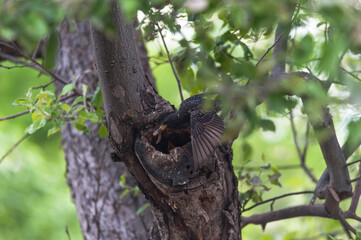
332 153
301 155
356 195
286 213
171 63
275 198
13 147
15 115
269 49
32 64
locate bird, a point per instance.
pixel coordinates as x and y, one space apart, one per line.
205 124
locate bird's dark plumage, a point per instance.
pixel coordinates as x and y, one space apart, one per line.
206 127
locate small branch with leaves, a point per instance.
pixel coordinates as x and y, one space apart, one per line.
171 62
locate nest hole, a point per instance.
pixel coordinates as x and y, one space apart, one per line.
170 138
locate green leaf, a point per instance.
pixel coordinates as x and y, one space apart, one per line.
35 126
45 97
256 197
84 89
142 208
122 180
65 107
77 100
247 52
136 191
103 131
255 180
267 125
21 102
358 235
53 130
80 126
246 69
93 117
79 109
124 193
274 179
67 88
37 115
97 99
242 197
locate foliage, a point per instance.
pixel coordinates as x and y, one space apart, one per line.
219 46
35 200
45 108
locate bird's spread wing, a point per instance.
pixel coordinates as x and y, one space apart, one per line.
207 130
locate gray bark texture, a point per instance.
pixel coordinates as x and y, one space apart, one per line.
186 204
91 174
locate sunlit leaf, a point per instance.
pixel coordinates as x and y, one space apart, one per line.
103 131
84 89
35 126
65 107
124 193
21 102
97 99
53 130
67 88
142 208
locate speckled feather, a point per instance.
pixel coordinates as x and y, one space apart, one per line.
206 127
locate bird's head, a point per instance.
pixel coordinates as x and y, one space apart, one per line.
167 121
160 129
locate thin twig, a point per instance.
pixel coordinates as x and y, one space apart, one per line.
347 227
269 49
15 115
356 179
284 167
302 155
171 62
355 217
279 197
356 194
351 163
33 63
11 67
351 74
45 85
13 147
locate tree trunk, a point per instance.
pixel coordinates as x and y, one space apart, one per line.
91 174
187 204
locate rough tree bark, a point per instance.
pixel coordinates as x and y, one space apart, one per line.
186 204
91 175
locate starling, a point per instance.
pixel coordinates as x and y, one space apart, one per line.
206 127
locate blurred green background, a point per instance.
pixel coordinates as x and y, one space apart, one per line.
35 201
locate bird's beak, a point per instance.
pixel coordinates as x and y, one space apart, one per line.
164 126
160 129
